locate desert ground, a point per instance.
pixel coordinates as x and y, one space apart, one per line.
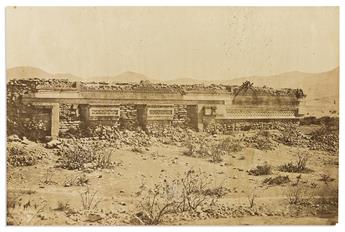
181 177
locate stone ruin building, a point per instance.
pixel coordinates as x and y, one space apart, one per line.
53 108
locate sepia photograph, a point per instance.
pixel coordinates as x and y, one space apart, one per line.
172 115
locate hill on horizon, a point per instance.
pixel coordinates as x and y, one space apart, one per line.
26 72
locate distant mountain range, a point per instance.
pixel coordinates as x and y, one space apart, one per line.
317 86
25 72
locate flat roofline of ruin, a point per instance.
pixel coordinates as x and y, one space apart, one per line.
178 89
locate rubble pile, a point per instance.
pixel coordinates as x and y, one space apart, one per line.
76 155
291 136
57 84
22 152
169 134
218 128
229 126
247 88
261 141
325 139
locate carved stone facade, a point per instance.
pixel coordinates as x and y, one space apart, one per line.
78 106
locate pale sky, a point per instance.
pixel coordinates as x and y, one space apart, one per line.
173 42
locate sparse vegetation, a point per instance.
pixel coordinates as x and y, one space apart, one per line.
180 195
251 199
326 178
48 177
103 160
89 199
63 206
261 170
299 166
209 149
278 180
230 145
76 180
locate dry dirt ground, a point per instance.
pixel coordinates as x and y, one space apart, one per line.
41 194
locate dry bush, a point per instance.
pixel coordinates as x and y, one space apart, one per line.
217 154
194 188
48 177
23 212
261 170
76 180
299 166
103 160
157 202
230 146
326 178
138 150
184 194
89 199
294 195
251 199
203 148
217 192
63 206
278 180
297 193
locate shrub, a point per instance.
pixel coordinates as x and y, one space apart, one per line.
278 180
179 195
157 203
89 200
251 199
299 166
326 178
63 206
138 150
216 154
230 145
77 180
261 170
294 195
204 148
48 177
103 160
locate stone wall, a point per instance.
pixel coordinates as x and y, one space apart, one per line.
125 120
26 119
69 119
179 119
